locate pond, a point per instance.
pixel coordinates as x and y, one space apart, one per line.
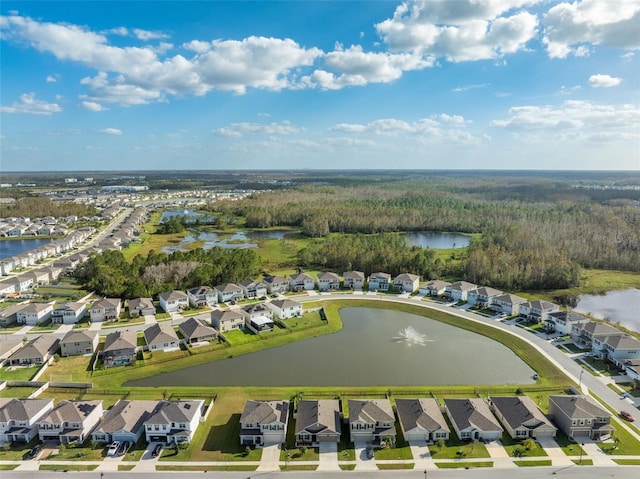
10 248
375 347
437 240
616 306
191 215
241 239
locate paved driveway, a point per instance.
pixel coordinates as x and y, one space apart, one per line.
328 457
270 460
421 454
555 453
363 462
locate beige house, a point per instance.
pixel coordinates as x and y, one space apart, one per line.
264 422
160 337
141 307
580 416
353 279
78 342
318 420
36 351
371 421
406 282
105 309
328 281
421 420
225 321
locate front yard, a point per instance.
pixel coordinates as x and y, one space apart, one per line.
521 448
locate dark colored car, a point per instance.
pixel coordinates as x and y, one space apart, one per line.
156 450
33 452
262 298
627 416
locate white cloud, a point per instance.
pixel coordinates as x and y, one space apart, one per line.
581 120
569 28
51 79
463 30
109 131
603 81
146 35
93 106
28 104
470 87
122 31
236 130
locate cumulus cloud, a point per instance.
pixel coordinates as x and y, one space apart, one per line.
146 35
109 131
570 27
604 81
29 104
576 120
93 106
238 129
463 30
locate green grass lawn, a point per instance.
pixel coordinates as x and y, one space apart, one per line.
544 462
457 449
583 462
8 467
298 467
517 449
603 367
17 450
629 388
399 465
627 462
125 467
569 446
628 445
463 465
83 452
67 467
572 348
18 373
17 392
346 451
206 468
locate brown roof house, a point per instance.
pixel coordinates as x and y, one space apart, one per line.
371 421
422 420
521 417
36 351
318 420
70 421
264 422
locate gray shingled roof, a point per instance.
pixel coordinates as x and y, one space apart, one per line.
194 328
370 410
22 409
264 412
462 286
318 415
121 340
487 291
407 277
71 411
599 329
228 288
173 295
328 276
167 412
622 342
276 280
510 299
126 415
516 410
285 303
38 347
160 334
353 275
225 315
420 413
78 336
472 412
141 303
106 303
579 406
202 291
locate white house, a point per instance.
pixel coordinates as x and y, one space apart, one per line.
353 279
379 281
18 418
459 290
482 297
160 337
371 420
252 288
173 301
229 292
406 282
264 422
34 313
435 287
70 421
286 308
617 349
521 417
105 309
421 420
301 282
202 296
173 422
561 321
538 310
328 281
68 313
507 303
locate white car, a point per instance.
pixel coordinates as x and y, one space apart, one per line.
113 448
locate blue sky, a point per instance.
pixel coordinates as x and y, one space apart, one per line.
469 84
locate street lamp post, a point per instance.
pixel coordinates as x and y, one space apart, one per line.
425 474
581 450
580 384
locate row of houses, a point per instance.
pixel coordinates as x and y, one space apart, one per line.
372 421
171 422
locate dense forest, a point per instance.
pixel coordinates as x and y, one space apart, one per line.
536 233
110 274
40 206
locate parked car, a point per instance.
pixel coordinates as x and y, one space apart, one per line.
124 447
156 450
113 448
627 416
263 298
33 453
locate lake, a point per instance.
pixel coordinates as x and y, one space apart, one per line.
375 347
10 248
241 239
191 215
617 306
437 240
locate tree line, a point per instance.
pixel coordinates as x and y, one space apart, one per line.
40 206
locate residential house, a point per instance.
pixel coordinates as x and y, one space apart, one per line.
9 315
160 337
521 417
472 419
435 287
173 422
259 324
225 321
70 421
277 284
482 296
561 322
141 307
328 281
18 418
422 420
301 282
286 308
202 296
252 288
36 351
229 292
196 331
617 349
8 287
258 309
632 369
105 309
459 290
124 422
353 280
264 422
40 277
584 334
8 346
379 281
507 303
120 348
406 282
173 301
538 310
78 342
34 313
580 416
371 421
68 313
317 421
25 282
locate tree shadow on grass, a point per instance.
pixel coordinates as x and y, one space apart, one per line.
225 438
